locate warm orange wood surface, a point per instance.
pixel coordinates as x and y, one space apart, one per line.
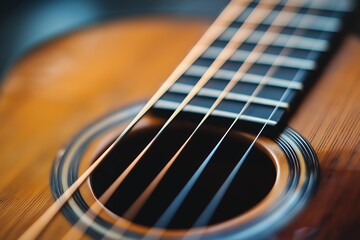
56 89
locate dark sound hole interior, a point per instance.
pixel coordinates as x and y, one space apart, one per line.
251 184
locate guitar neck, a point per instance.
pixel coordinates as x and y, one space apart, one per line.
277 56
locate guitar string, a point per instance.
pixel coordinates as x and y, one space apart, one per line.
140 201
236 40
155 184
215 30
167 215
210 209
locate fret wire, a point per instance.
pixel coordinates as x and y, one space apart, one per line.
208 92
330 5
220 60
226 75
256 53
266 58
227 52
281 59
302 42
164 104
313 22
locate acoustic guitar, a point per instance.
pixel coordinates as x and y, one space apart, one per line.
254 135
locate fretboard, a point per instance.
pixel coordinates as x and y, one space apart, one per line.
283 67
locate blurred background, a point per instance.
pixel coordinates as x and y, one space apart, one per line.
25 24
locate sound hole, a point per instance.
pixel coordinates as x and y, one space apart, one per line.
251 184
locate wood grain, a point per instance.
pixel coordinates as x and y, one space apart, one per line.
56 89
329 118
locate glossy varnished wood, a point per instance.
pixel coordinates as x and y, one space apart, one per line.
56 89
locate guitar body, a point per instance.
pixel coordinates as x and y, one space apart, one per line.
58 88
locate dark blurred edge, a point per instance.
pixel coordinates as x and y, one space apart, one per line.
26 24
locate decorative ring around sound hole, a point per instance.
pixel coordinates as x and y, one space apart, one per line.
295 178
